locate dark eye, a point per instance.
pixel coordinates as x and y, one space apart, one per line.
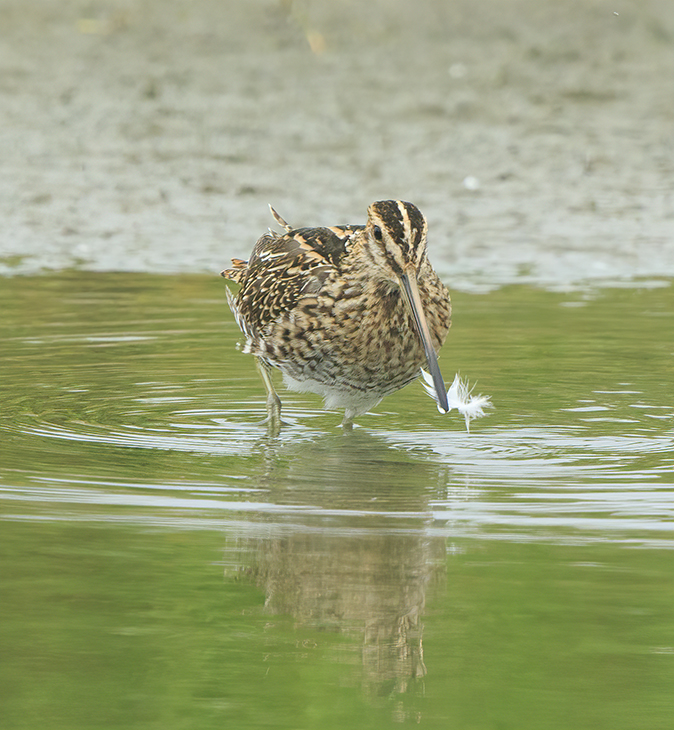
377 233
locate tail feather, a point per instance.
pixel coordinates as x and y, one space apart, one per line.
286 226
237 271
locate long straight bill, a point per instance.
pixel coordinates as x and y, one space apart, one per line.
408 282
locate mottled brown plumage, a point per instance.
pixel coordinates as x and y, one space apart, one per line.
348 312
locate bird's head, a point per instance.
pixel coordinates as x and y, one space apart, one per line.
396 237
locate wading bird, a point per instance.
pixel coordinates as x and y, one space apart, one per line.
348 312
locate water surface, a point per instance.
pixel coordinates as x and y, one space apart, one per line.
166 564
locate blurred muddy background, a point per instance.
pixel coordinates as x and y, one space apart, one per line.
538 137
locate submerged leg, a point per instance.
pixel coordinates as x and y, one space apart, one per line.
347 423
273 401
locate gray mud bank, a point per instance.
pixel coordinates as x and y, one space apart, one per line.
537 136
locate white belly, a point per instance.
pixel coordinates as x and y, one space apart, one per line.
354 402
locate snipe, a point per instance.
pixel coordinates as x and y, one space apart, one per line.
348 312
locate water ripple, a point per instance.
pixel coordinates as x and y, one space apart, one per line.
143 409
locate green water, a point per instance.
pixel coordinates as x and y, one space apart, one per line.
165 564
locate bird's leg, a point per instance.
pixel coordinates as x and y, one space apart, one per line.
273 401
347 423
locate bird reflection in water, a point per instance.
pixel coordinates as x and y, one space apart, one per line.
359 557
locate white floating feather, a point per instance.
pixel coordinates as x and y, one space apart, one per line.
459 397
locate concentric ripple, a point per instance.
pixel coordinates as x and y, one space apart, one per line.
144 410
